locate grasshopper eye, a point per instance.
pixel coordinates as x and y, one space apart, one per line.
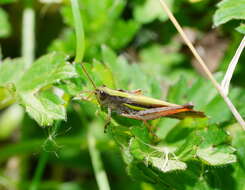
102 95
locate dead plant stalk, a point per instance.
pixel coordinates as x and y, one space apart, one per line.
203 65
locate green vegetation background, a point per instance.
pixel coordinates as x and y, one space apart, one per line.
49 140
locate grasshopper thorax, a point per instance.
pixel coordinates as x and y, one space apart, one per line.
106 98
100 94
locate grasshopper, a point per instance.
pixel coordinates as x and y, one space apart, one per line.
134 105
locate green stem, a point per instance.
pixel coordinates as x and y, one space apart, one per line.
1 54
80 40
99 171
39 171
28 33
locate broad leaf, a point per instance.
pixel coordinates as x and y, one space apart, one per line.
217 155
228 10
150 10
11 70
49 69
166 165
44 107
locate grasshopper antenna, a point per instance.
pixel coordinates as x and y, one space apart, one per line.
88 76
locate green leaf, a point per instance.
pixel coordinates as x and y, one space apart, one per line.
241 28
102 24
166 165
7 1
127 31
142 151
138 171
11 70
188 149
44 107
6 96
48 69
150 10
238 141
5 28
102 74
217 155
213 137
66 42
212 150
228 10
158 60
142 133
129 77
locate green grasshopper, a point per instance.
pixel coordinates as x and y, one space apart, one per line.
134 105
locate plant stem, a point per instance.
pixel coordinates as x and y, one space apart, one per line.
1 54
39 171
99 171
203 65
80 40
229 73
28 33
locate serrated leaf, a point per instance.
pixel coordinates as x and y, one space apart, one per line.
46 70
121 135
228 10
5 28
11 70
217 155
140 172
188 149
213 137
44 107
165 165
150 10
142 151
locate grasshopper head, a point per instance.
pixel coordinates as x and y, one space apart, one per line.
101 95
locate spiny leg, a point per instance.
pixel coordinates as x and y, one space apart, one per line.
108 120
150 128
151 131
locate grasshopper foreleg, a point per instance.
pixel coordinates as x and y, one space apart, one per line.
108 120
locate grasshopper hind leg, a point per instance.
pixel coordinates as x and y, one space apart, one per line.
108 120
